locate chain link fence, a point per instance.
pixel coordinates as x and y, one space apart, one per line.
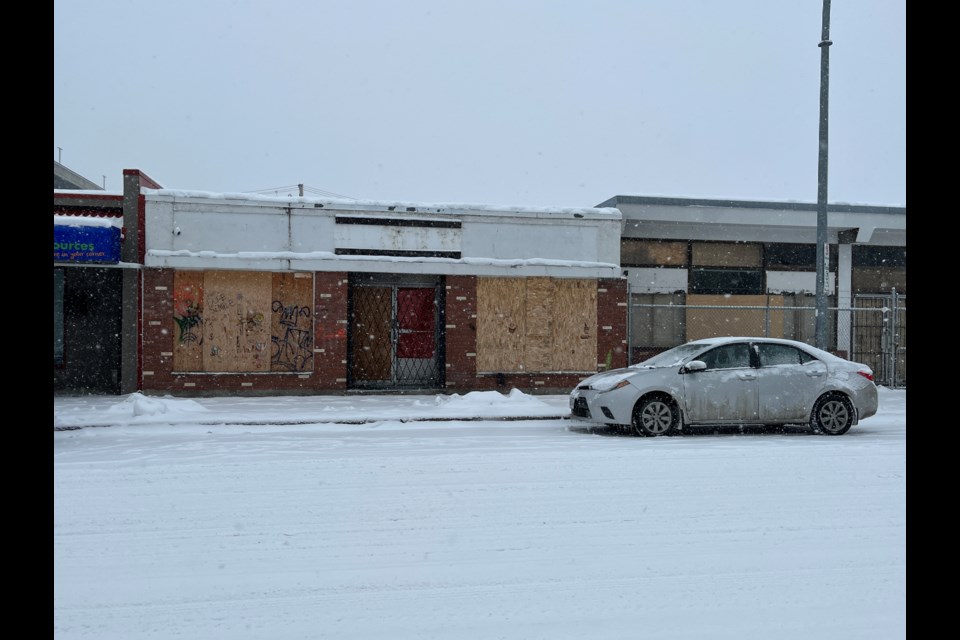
871 331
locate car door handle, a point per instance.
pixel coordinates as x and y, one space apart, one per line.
814 374
747 376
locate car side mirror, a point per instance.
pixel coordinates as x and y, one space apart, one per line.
694 365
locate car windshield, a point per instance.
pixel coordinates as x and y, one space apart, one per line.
671 357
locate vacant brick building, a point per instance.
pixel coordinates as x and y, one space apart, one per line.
267 295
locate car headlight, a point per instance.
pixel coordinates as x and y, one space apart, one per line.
609 384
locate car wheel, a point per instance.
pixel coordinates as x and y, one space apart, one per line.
655 416
832 415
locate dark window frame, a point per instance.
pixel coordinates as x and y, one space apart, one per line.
724 281
874 256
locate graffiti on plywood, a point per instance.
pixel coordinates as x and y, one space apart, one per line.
293 350
188 321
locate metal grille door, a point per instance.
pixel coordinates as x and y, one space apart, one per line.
880 336
395 335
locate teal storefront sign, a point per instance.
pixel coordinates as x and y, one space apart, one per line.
99 245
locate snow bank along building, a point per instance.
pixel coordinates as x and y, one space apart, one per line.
236 293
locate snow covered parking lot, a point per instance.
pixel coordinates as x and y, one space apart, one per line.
177 523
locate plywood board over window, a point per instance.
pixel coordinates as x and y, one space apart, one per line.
242 321
879 279
188 321
726 254
652 253
733 319
291 322
536 325
501 324
237 308
575 325
538 344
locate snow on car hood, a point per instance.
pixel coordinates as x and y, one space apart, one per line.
607 379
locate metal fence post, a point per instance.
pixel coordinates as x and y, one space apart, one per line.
892 333
629 324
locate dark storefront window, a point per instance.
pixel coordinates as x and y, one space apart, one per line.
726 281
867 256
58 316
781 256
87 308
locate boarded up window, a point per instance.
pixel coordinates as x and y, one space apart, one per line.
291 322
188 318
236 321
536 325
879 279
652 253
501 320
242 321
732 319
726 254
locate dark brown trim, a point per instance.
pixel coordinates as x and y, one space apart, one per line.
398 253
394 222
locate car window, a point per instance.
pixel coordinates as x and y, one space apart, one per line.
729 356
673 356
774 354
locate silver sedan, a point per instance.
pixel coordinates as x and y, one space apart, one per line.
730 381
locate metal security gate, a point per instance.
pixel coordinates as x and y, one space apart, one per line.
395 335
879 331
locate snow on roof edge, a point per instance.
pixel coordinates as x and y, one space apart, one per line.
419 207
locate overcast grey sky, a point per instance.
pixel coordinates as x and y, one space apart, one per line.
526 102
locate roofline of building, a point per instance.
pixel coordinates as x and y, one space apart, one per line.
615 201
73 177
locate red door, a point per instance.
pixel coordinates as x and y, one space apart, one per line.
416 323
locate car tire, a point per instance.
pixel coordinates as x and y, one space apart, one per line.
655 416
832 415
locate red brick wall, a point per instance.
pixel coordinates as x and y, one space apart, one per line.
611 323
329 371
461 333
157 330
330 330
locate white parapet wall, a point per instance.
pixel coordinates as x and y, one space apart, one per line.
200 230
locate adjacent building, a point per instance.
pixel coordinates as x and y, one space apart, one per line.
703 267
98 246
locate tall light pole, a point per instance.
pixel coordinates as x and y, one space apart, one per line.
823 249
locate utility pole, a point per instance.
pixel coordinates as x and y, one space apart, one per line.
301 189
823 248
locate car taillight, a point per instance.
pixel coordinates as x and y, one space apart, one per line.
866 374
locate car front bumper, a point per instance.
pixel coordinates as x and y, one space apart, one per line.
606 408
